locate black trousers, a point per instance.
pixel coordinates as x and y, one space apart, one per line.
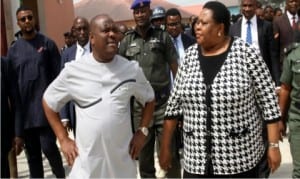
263 166
253 173
4 164
42 139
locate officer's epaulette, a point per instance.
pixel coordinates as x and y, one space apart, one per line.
290 48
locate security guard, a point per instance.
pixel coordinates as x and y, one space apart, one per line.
289 101
158 17
153 49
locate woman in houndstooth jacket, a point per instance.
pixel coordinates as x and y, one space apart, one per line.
224 91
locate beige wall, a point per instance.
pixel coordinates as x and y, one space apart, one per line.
55 17
11 26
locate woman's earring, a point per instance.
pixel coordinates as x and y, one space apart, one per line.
219 34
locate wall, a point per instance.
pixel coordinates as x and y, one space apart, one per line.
11 27
55 17
3 33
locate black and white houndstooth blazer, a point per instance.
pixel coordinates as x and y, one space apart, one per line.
242 95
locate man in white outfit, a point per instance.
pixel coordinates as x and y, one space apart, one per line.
101 85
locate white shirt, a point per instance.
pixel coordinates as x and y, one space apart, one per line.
81 51
101 92
179 48
253 30
290 16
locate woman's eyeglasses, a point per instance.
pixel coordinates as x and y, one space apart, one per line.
23 19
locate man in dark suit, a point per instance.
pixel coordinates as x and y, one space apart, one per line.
174 28
34 61
69 41
262 36
76 51
285 29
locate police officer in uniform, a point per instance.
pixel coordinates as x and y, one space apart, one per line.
289 101
158 17
153 49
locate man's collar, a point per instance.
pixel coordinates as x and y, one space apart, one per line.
252 20
290 15
178 37
85 47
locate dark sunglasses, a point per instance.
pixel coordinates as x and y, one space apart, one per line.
23 19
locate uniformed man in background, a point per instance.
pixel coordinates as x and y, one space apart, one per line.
153 49
289 101
158 17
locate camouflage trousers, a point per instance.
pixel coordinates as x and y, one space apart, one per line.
146 158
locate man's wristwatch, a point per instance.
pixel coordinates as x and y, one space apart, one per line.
144 130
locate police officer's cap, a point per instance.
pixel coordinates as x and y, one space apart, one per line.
139 3
158 12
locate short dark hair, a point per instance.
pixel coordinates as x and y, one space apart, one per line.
220 14
268 6
258 4
23 8
193 26
277 9
173 12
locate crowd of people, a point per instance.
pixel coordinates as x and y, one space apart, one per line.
218 95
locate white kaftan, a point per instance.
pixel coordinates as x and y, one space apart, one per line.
101 92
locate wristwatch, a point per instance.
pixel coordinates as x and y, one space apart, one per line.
144 130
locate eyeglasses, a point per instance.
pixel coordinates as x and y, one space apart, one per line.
173 24
23 19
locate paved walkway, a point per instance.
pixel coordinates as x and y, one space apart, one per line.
284 171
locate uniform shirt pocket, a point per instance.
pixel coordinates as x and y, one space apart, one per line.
156 46
133 51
